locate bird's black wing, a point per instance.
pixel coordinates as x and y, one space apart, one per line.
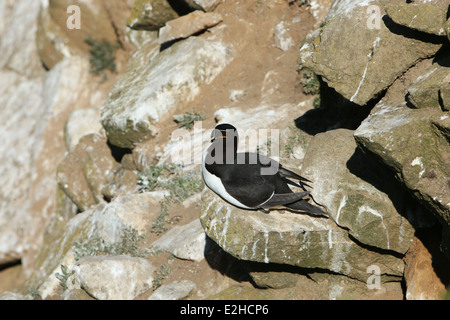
247 185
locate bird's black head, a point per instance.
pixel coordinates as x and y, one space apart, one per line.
224 130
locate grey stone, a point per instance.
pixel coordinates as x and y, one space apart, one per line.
356 74
114 277
176 290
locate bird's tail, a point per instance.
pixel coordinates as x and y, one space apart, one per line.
305 206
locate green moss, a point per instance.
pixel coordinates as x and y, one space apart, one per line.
102 56
187 119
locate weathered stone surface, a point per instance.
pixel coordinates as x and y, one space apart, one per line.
14 296
176 290
81 123
82 174
188 25
421 279
414 144
360 196
18 38
425 17
114 278
357 74
205 5
98 19
283 40
430 90
148 93
104 221
150 14
185 242
292 239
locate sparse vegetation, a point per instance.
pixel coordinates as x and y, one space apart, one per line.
161 274
169 177
64 276
102 56
129 245
187 119
298 137
311 85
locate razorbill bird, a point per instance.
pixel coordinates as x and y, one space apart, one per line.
251 180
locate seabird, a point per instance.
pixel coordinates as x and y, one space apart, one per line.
251 180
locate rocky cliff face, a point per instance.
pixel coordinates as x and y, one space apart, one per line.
102 196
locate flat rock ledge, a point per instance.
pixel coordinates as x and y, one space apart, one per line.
293 239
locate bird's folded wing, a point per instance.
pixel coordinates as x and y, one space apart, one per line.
283 199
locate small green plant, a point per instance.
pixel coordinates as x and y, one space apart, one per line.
64 276
102 56
34 292
187 119
310 83
298 137
128 245
161 274
168 177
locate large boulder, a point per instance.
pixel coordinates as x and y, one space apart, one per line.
156 84
151 14
425 17
361 195
432 88
414 144
103 20
374 38
83 172
66 241
293 239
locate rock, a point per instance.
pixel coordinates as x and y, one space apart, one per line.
114 278
20 100
205 5
14 296
81 123
414 144
425 17
360 196
283 40
82 174
316 286
185 242
107 222
18 38
150 14
444 96
32 154
148 93
359 78
188 25
426 91
290 239
100 19
177 290
421 277
120 182
76 294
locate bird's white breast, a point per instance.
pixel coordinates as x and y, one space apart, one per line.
215 184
